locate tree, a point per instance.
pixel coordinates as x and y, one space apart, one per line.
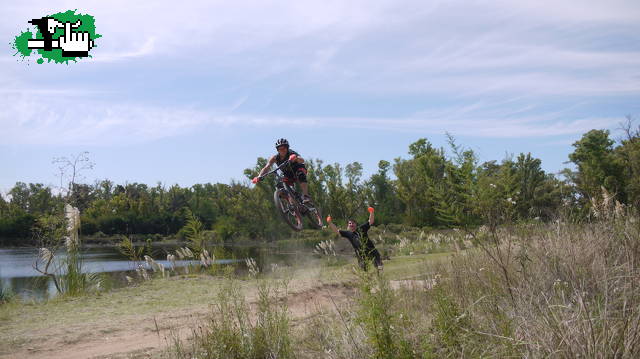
71 170
382 194
494 197
354 190
4 206
417 179
454 193
597 165
628 154
41 200
530 177
20 196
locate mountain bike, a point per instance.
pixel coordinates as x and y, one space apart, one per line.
289 202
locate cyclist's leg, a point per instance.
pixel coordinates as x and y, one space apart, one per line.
301 176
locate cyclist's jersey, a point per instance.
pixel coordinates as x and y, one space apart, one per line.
287 170
286 157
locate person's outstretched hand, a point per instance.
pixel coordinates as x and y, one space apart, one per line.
370 209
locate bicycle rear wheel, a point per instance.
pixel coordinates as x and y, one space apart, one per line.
315 217
287 210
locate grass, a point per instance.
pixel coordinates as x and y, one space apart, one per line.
233 330
97 313
533 290
164 295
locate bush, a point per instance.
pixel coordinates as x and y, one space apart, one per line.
383 323
231 333
17 226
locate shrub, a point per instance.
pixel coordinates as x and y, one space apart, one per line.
231 332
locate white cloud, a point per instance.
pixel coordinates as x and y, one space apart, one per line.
145 49
458 50
487 128
65 121
576 10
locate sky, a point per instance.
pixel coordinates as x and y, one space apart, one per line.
194 91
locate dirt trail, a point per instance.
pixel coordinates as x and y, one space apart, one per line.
147 336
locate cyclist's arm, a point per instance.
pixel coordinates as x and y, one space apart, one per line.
266 168
298 158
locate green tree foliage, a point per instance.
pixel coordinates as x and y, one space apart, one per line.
417 181
628 153
454 194
382 194
431 187
597 165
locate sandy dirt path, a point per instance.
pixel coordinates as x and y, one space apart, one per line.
148 336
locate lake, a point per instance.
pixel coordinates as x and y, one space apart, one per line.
18 275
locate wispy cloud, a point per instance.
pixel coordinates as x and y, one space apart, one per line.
26 120
144 49
527 52
67 122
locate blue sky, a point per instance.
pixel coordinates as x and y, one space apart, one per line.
195 92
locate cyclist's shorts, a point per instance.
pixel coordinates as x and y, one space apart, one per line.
300 174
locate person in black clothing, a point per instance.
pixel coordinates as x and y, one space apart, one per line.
296 169
359 238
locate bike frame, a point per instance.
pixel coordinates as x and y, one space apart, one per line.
289 189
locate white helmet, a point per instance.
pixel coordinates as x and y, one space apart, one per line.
282 142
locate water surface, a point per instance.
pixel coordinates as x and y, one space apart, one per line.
17 271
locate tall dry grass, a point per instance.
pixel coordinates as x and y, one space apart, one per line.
558 290
561 290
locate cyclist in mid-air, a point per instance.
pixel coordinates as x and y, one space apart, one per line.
296 169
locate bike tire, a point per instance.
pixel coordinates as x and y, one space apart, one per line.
315 217
288 212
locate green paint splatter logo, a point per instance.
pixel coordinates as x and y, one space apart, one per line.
59 38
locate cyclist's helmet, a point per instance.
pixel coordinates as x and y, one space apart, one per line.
282 142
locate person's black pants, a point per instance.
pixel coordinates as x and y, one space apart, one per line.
366 252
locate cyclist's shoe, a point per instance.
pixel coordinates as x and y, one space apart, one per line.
306 199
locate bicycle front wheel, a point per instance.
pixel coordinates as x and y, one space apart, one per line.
285 205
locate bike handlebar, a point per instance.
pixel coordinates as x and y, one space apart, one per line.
275 170
257 179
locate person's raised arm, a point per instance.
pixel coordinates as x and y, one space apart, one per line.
371 210
332 226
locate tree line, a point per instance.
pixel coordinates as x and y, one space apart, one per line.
431 188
